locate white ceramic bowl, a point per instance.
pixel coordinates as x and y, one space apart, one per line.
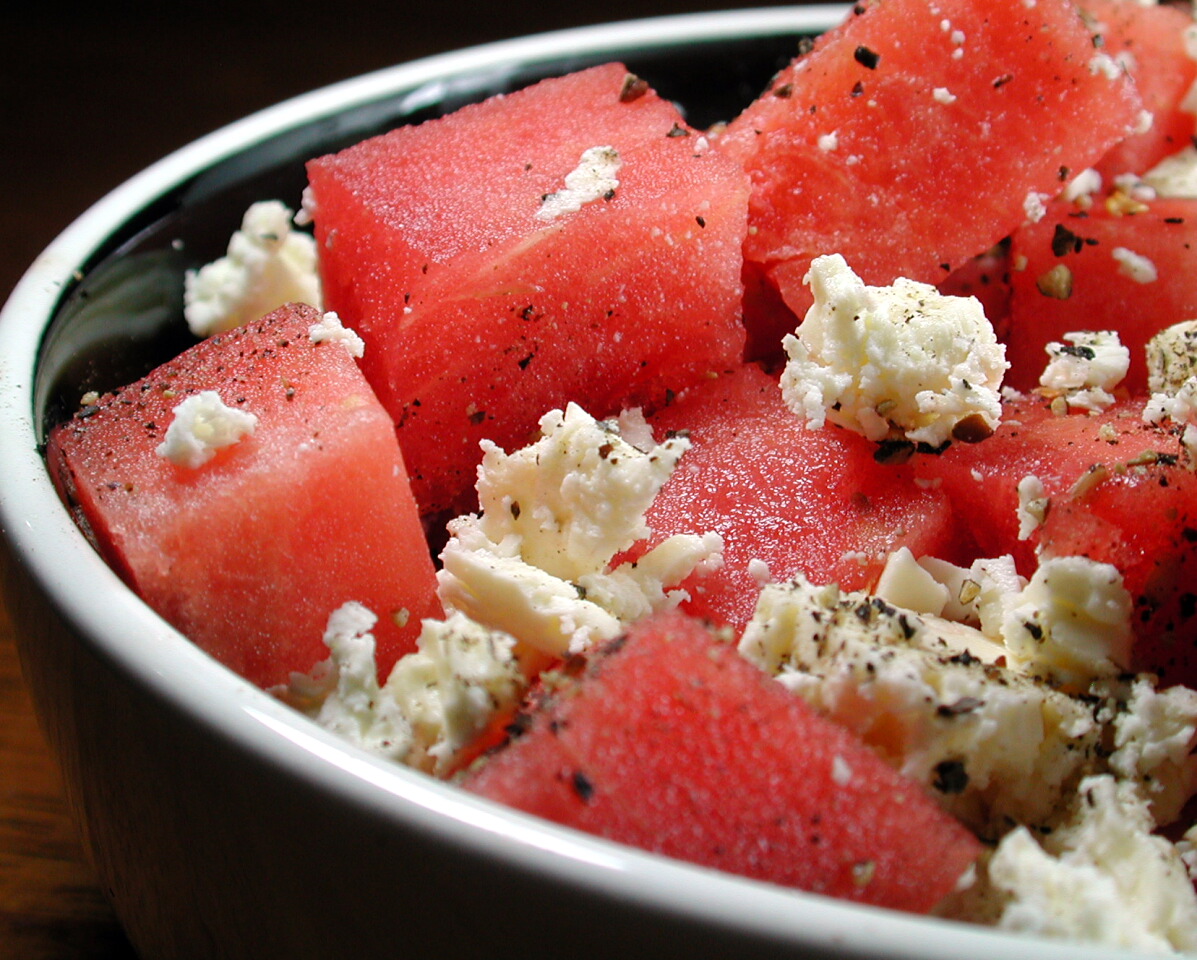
221 823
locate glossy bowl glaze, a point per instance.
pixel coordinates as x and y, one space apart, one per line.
221 823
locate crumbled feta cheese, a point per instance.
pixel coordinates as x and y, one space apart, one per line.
1104 64
593 179
1134 265
354 707
943 95
536 562
1072 621
905 583
330 329
436 700
979 594
460 678
1103 878
267 265
828 142
991 745
203 424
1172 379
1034 206
901 362
1172 357
1086 369
1033 505
1155 735
1083 185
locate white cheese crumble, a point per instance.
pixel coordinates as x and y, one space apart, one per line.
1085 369
1082 186
267 265
900 362
1033 504
329 329
1102 878
592 179
203 424
436 700
1105 65
536 563
1155 733
829 142
991 745
1034 206
943 95
1072 622
1134 265
1172 357
995 746
1180 407
1172 380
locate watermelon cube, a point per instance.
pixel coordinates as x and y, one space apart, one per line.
572 241
1151 43
803 501
670 741
918 135
248 552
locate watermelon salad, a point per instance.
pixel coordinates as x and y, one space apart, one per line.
811 497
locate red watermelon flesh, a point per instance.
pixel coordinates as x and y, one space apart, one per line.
670 741
1102 292
1150 42
810 501
249 554
910 138
479 317
1119 493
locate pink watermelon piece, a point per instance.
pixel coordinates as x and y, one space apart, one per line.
1129 272
810 501
479 316
249 553
1119 492
1150 42
668 740
912 137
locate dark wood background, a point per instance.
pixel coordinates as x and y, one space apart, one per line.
89 95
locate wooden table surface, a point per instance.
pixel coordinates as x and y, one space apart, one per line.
88 98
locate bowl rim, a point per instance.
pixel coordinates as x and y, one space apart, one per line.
44 539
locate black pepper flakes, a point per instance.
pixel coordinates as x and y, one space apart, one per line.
950 777
866 58
1065 241
582 786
